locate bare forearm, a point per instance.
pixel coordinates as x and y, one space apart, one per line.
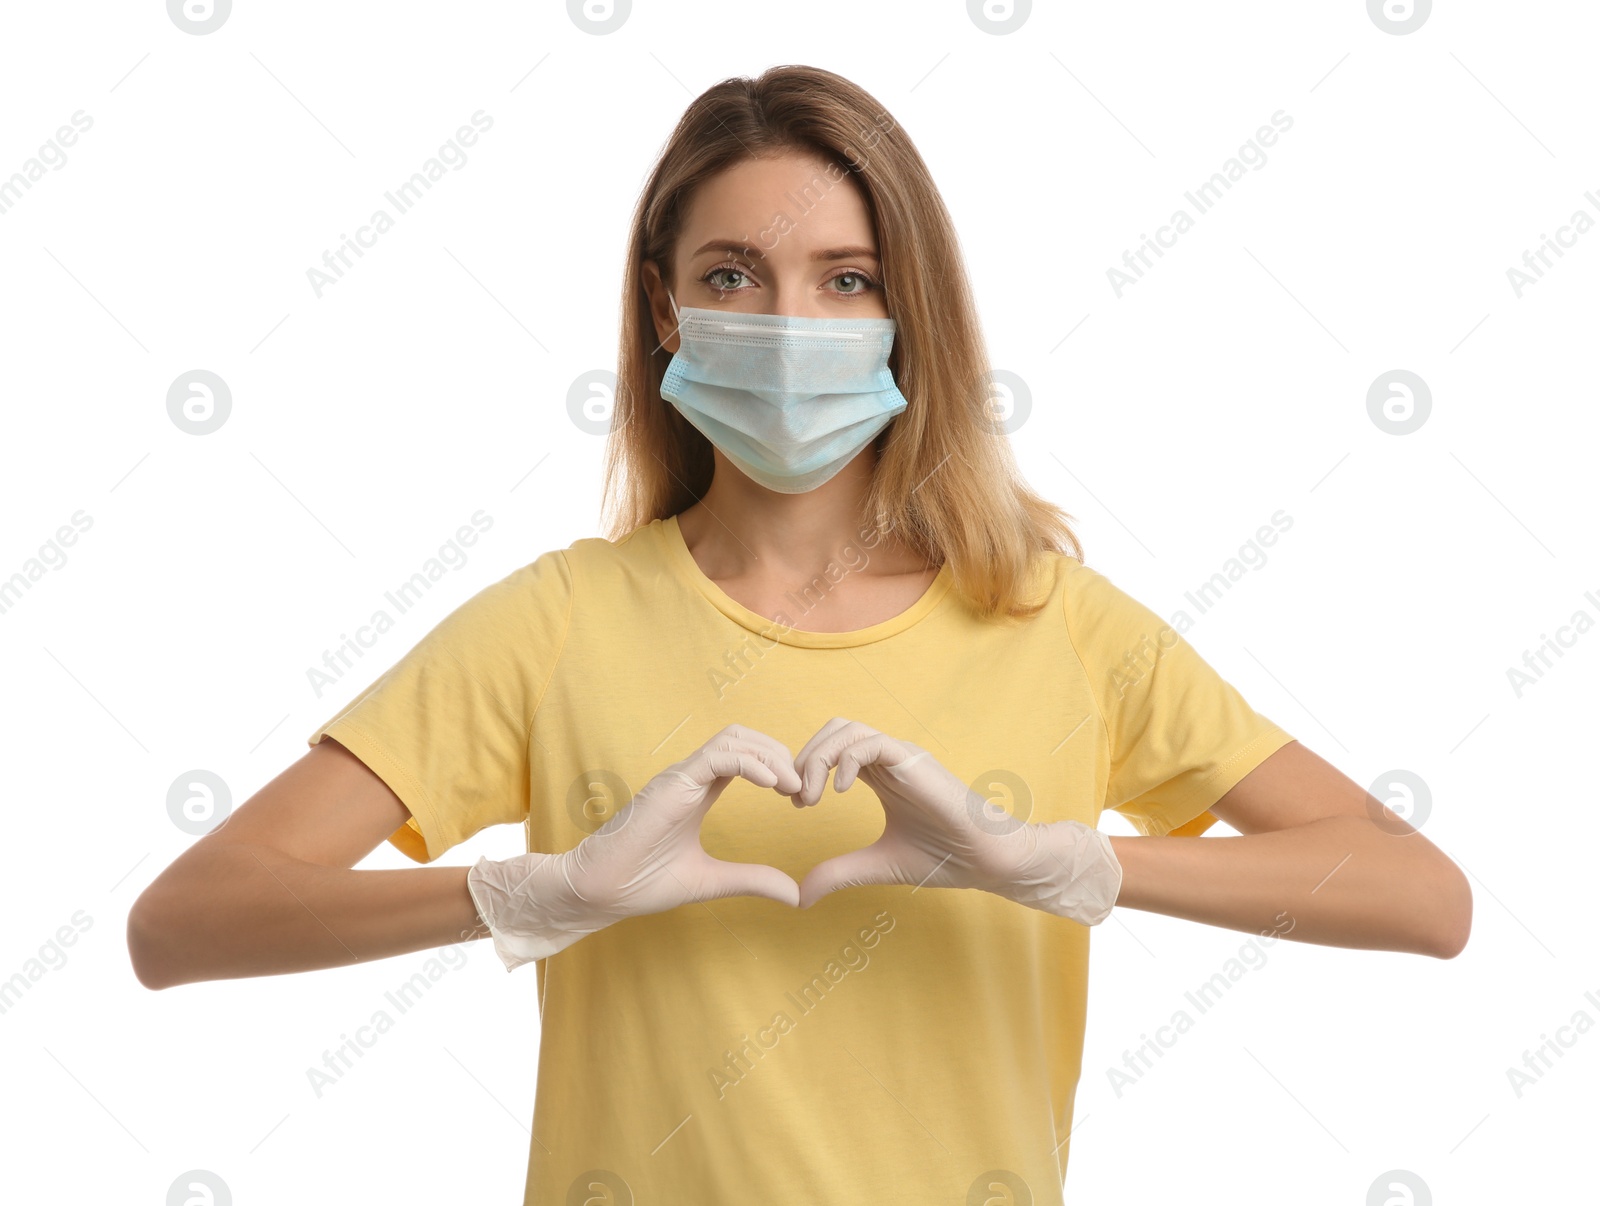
1339 881
251 910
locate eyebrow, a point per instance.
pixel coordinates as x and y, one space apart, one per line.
734 247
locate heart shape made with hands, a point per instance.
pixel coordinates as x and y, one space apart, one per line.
649 857
939 833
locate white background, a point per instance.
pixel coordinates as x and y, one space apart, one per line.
431 382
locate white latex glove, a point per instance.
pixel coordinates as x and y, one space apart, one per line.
938 833
645 859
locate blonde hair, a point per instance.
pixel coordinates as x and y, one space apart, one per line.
946 482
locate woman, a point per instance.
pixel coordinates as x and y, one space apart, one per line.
822 560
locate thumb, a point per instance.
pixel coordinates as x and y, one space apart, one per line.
856 869
753 879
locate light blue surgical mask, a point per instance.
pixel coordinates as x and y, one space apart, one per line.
790 401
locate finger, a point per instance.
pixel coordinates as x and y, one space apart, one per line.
708 771
769 749
821 735
872 749
753 879
711 764
856 869
819 754
686 790
911 755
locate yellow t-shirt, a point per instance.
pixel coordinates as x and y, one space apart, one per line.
889 1044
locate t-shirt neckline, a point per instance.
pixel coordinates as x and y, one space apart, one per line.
689 569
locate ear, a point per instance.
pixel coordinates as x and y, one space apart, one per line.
666 323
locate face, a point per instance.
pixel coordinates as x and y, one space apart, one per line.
748 246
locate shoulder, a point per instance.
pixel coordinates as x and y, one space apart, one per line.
597 567
543 597
1087 592
527 608
559 571
542 584
1103 620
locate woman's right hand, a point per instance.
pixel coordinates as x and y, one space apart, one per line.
645 859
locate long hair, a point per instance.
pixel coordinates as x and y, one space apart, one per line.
946 482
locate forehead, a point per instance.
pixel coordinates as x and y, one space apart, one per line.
792 202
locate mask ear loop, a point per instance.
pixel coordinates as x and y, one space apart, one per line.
677 321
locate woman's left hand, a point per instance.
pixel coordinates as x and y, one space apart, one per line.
938 833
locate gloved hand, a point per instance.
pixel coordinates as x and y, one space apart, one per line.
938 833
645 859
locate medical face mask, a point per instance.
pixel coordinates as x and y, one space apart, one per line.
790 401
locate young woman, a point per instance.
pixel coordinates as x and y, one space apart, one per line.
755 986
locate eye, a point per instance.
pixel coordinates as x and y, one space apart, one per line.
725 287
859 282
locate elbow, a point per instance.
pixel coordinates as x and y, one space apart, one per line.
1453 913
145 947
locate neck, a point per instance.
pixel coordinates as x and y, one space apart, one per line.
741 529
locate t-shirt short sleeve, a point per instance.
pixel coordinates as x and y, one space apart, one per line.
448 726
1179 736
